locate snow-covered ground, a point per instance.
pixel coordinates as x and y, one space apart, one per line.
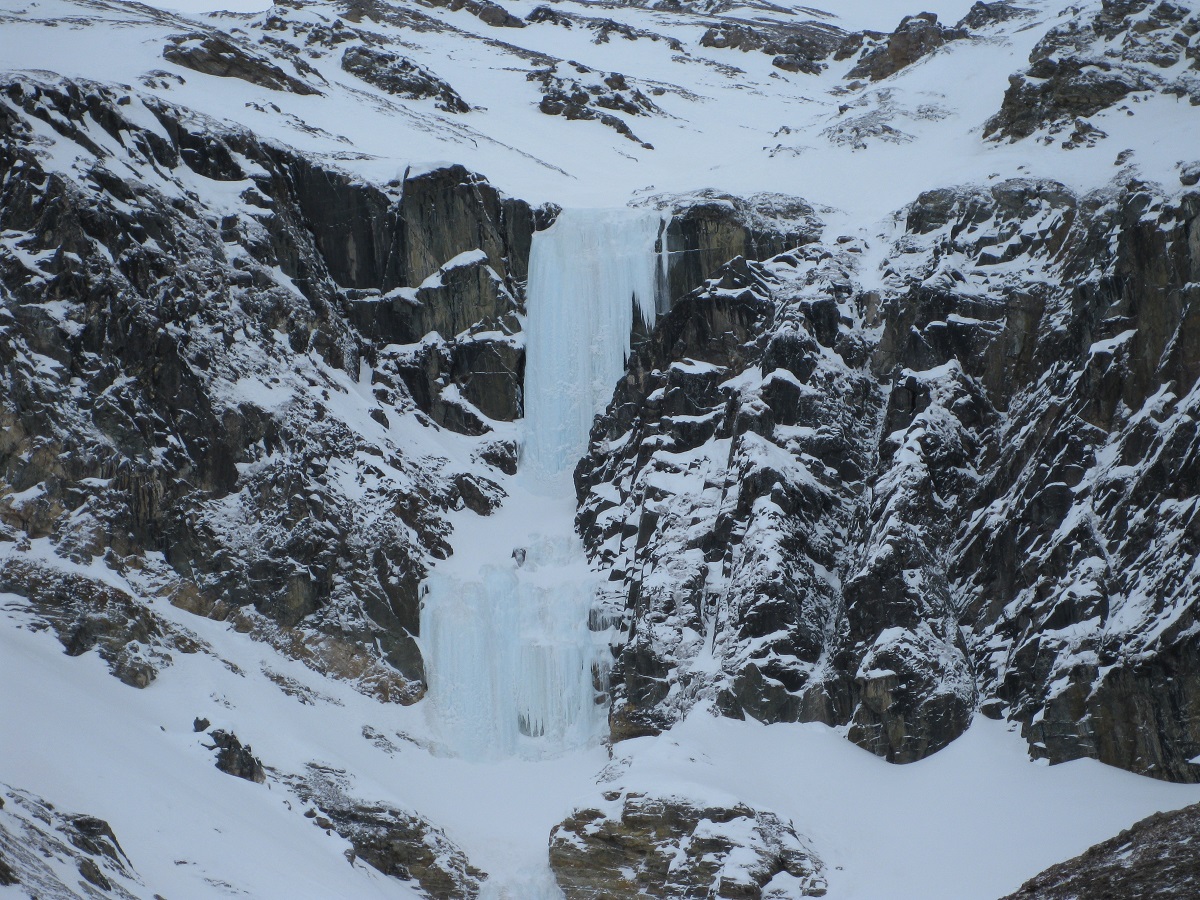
729 120
973 821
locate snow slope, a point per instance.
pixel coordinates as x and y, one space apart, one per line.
726 119
971 822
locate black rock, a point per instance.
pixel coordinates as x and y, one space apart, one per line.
234 759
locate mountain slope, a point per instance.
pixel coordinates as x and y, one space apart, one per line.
911 445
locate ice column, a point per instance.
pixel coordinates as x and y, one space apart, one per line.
586 274
509 655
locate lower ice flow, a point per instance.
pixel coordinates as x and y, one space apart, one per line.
512 666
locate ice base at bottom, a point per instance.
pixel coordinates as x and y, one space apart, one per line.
518 672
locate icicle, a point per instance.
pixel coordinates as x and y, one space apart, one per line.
511 659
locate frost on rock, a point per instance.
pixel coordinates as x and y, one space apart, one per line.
1102 55
58 855
635 845
883 508
197 403
1153 858
398 842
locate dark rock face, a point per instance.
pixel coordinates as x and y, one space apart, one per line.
734 393
983 15
488 12
39 843
882 510
1151 859
138 442
87 614
572 98
802 47
1096 60
402 77
880 55
214 54
397 842
235 759
707 229
602 29
634 845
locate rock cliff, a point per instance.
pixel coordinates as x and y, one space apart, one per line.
210 394
886 508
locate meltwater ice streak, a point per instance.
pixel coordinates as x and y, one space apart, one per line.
512 665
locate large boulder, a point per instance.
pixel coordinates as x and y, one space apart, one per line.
634 845
218 55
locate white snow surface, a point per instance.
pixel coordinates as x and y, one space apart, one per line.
972 821
729 119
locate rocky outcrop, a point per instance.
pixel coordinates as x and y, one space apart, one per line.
1096 60
488 12
40 845
722 506
87 614
574 98
984 15
216 54
397 842
634 845
235 759
1078 616
802 47
880 55
882 510
182 393
706 229
603 29
401 77
1149 859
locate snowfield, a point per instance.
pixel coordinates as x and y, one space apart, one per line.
973 821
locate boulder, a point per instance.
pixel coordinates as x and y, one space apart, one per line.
634 845
401 77
235 759
399 843
882 55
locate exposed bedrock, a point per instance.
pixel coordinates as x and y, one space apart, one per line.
178 374
886 509
634 845
1148 859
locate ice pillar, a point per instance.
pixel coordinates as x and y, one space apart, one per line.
510 659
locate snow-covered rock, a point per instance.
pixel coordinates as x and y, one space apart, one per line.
633 845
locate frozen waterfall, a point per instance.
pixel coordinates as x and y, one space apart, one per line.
512 666
586 275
